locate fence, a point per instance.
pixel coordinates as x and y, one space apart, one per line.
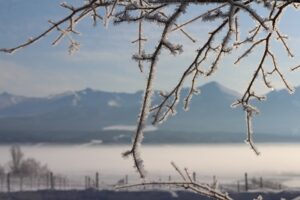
50 181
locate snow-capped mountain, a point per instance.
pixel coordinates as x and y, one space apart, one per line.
97 111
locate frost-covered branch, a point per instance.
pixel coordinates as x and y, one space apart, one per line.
225 37
135 152
72 19
187 183
250 94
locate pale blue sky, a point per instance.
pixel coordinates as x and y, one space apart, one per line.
104 60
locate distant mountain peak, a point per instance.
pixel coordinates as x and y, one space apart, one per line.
6 94
215 86
87 90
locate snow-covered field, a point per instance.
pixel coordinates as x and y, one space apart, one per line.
278 163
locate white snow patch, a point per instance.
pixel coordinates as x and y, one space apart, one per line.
94 142
128 128
13 100
118 137
76 99
61 95
113 103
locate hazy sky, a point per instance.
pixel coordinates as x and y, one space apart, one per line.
104 60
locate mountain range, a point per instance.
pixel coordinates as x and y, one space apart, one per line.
91 115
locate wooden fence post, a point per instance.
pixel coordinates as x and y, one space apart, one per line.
38 182
85 182
97 180
194 177
246 182
65 183
1 183
8 182
31 182
21 182
52 184
48 181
